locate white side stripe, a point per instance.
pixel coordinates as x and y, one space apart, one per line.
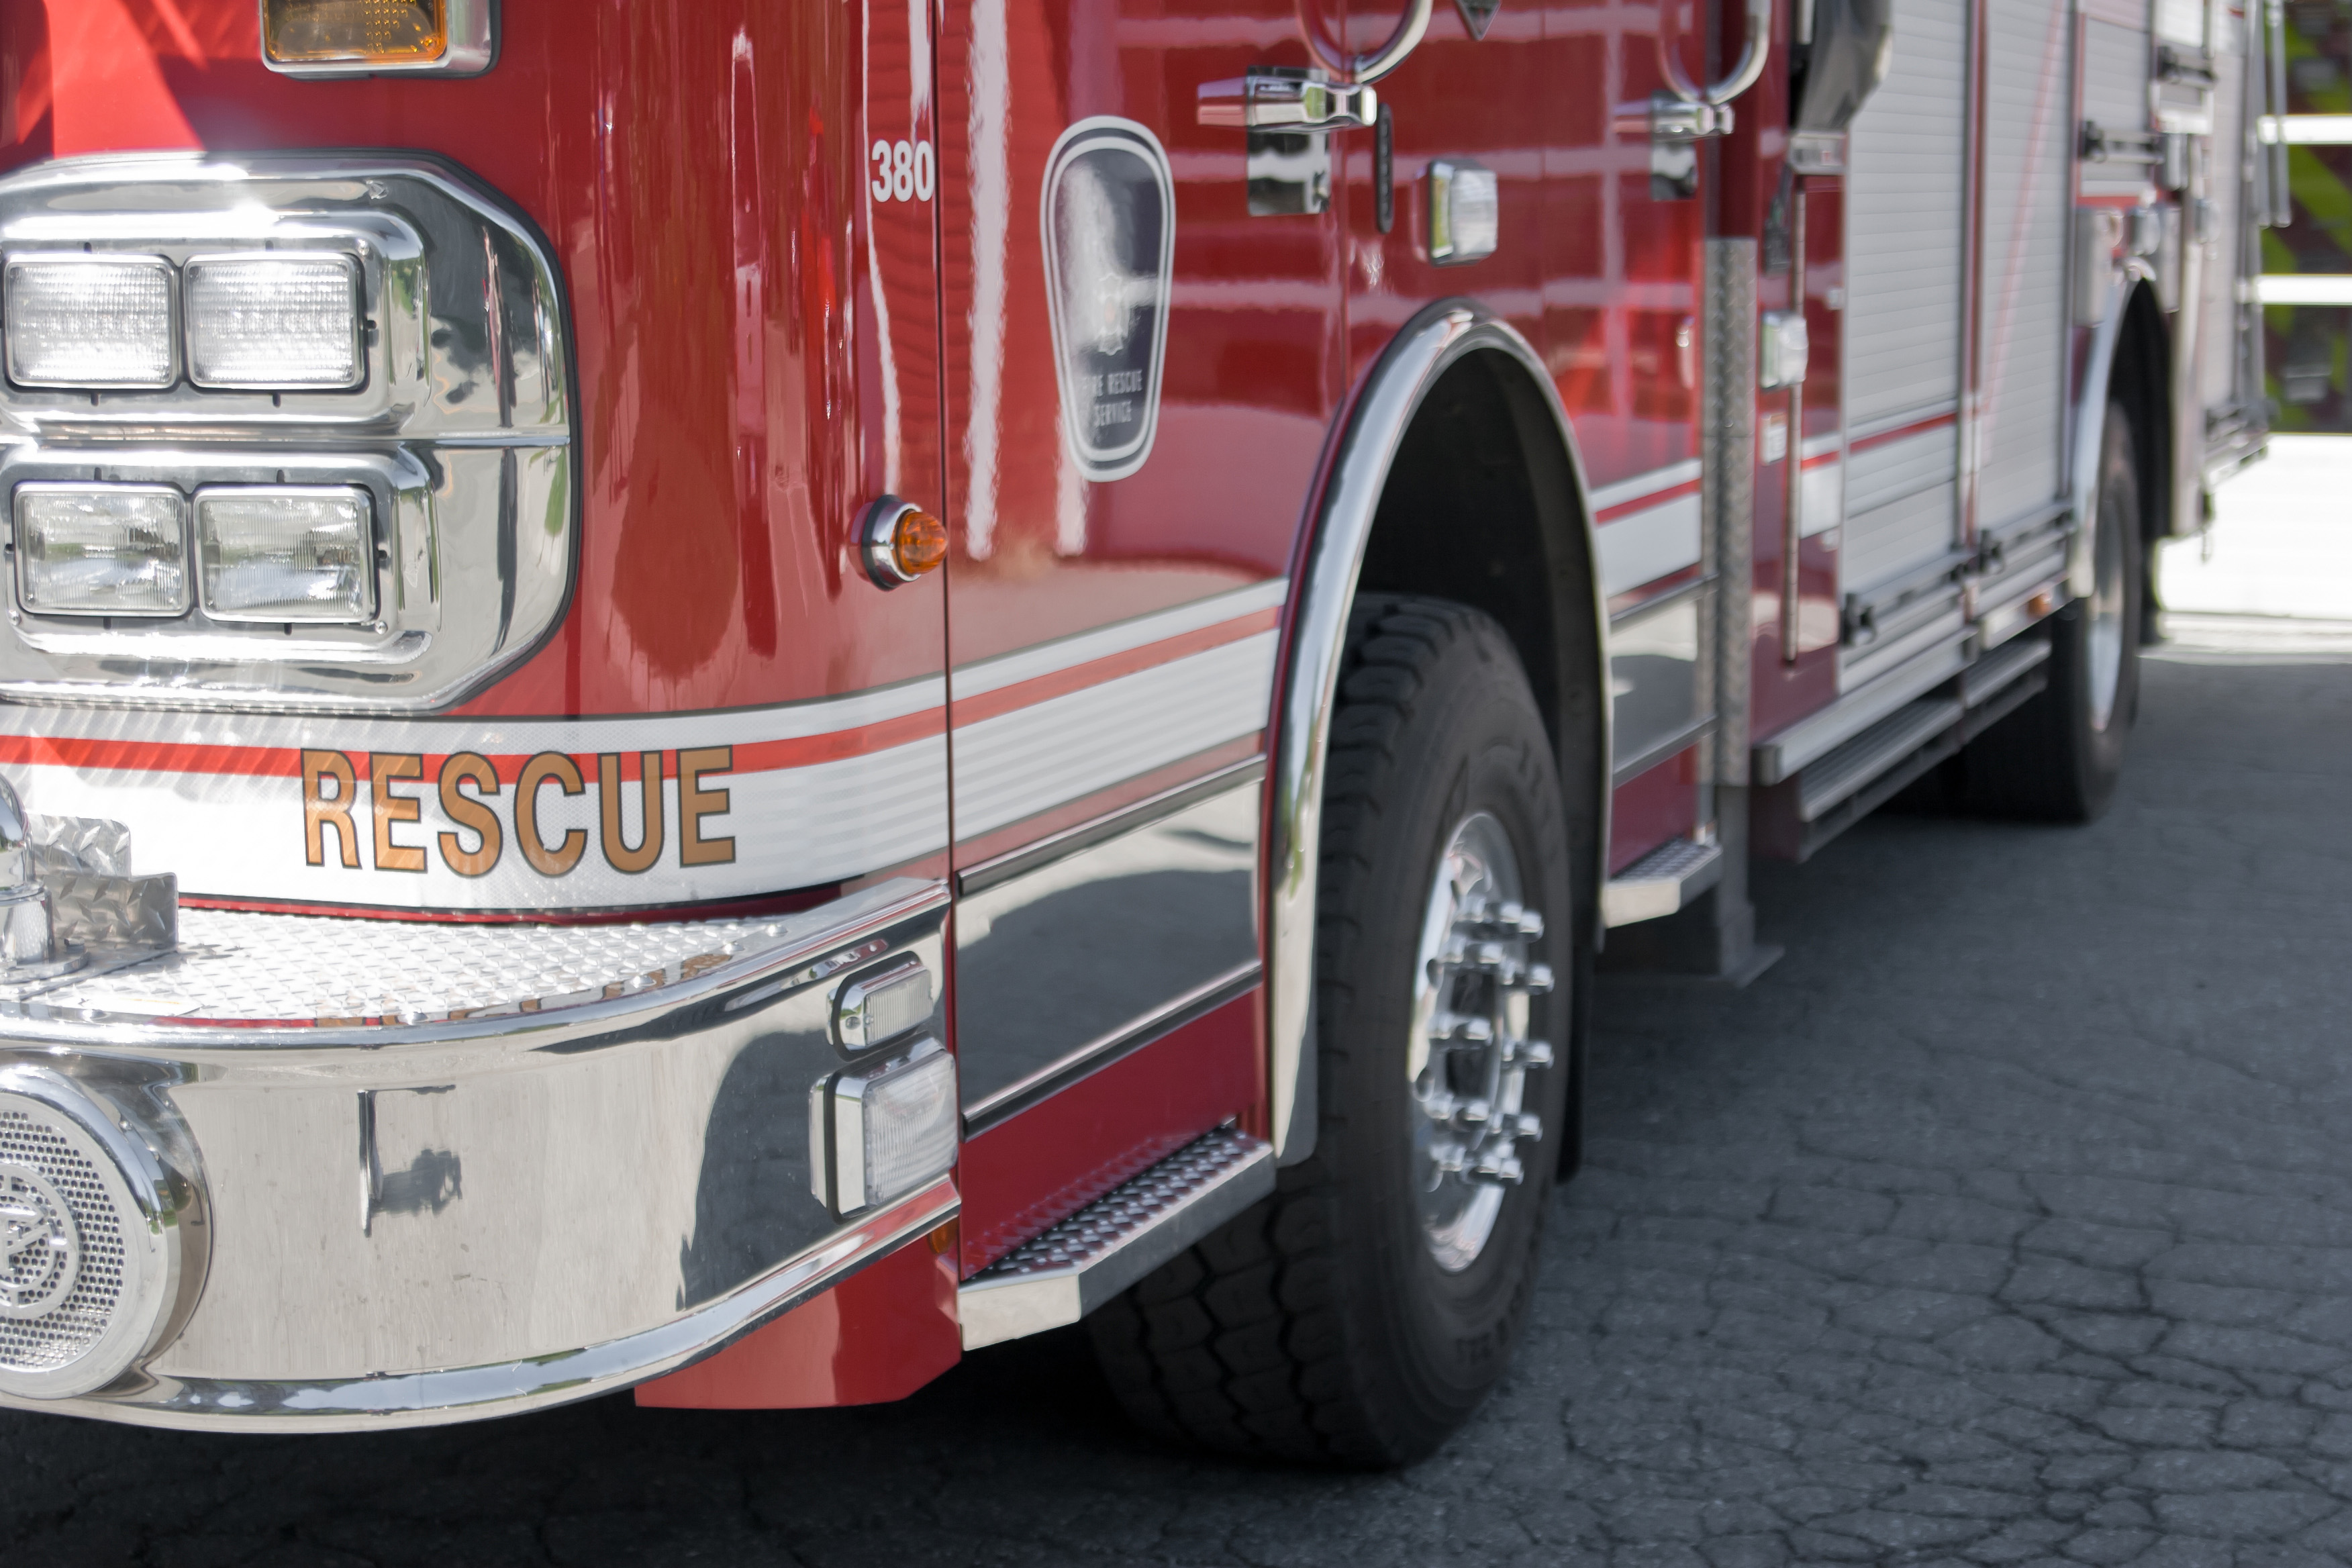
1037 757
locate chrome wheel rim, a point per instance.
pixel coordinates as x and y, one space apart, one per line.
1469 1056
2105 610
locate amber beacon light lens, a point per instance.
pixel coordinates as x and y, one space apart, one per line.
358 32
901 542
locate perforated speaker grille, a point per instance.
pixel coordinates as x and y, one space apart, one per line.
62 1267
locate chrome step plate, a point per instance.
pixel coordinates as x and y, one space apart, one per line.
1061 1276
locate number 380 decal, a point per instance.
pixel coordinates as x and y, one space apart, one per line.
902 171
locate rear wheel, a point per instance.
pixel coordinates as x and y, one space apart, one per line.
1361 1314
2059 756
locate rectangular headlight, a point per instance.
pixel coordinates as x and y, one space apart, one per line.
285 553
278 319
91 320
101 550
369 32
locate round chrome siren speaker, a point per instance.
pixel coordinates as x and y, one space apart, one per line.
94 1239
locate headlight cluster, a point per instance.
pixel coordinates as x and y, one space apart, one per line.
262 552
252 321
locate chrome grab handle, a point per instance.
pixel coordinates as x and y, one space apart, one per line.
1366 68
1743 76
1263 102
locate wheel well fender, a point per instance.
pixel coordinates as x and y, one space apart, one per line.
1452 469
2128 361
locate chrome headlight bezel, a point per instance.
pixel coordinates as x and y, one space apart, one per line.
461 425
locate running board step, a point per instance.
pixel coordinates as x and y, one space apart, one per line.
1058 1277
1661 882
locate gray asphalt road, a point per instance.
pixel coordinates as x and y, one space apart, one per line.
2008 1220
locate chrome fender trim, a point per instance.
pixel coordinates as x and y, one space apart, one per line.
1375 427
2090 415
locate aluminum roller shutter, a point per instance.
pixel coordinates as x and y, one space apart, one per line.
2028 180
2115 95
1903 289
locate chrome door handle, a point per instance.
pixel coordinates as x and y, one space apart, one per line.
1265 102
1366 68
1743 75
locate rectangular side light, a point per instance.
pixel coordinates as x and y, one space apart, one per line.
89 320
101 550
355 32
877 1133
285 553
273 321
1464 212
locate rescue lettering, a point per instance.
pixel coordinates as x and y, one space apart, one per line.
555 768
648 848
471 798
468 767
321 810
384 769
695 803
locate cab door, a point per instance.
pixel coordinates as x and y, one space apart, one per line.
1142 358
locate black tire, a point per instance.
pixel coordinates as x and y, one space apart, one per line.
2058 757
1319 1326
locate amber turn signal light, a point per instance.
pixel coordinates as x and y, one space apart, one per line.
355 32
900 542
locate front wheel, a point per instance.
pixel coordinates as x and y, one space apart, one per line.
2059 756
1363 1311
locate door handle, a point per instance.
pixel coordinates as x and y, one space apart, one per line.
1744 74
1366 68
1263 101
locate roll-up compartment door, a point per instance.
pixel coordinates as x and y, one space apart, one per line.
2028 134
1904 238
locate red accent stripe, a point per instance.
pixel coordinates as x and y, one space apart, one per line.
1644 503
286 761
1094 672
1897 434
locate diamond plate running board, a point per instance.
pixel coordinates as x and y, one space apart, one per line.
1060 1277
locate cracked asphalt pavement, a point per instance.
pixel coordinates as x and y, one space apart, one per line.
2008 1220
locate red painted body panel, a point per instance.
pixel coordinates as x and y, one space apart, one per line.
1061 1154
879 1335
699 167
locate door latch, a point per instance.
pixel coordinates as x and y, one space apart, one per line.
1287 113
1288 100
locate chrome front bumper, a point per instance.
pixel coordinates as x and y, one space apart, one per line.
440 1171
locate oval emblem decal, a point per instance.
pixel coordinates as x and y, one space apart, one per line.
1109 216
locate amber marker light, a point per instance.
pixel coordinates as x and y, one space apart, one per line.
355 33
900 542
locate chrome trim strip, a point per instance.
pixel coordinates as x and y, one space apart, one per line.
1824 731
523 1024
1682 740
509 1388
1045 851
1341 528
1022 1093
1674 595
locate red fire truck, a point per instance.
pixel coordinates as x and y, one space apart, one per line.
726 696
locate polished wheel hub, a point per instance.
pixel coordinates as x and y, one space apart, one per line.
1469 1054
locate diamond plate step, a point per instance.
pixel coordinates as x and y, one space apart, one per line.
1061 1276
1661 882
